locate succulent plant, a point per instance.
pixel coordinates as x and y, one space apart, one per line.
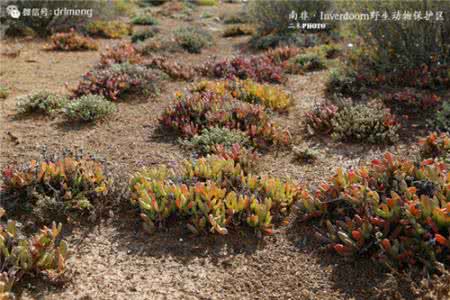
395 210
212 194
118 79
55 188
71 41
19 255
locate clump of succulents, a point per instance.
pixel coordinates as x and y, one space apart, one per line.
41 102
117 80
119 54
109 29
258 68
318 120
194 112
249 91
206 142
435 146
211 194
173 69
71 41
364 124
192 39
41 253
55 188
393 210
88 108
411 101
282 54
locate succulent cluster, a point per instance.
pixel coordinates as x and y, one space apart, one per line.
117 80
363 123
259 68
19 255
238 30
436 146
394 210
175 70
212 194
411 101
71 41
281 54
4 91
88 108
109 29
52 188
192 39
122 53
249 91
194 112
42 102
318 120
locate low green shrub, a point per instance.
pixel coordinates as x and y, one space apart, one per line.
205 142
306 63
88 108
144 20
238 30
211 194
42 102
343 82
192 39
363 123
206 2
442 117
142 35
330 51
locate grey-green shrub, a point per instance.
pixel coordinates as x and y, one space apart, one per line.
144 34
42 102
88 108
204 142
361 123
442 117
308 62
144 20
192 39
